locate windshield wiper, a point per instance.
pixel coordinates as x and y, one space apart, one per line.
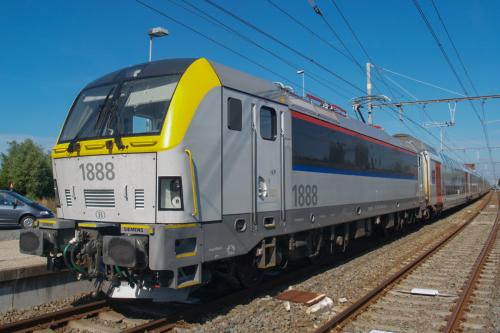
116 132
73 144
115 113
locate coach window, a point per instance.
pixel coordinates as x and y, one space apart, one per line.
234 114
268 123
433 177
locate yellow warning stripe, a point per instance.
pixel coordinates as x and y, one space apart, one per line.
186 255
47 221
87 225
188 284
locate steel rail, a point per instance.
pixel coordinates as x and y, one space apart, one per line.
54 319
364 301
461 305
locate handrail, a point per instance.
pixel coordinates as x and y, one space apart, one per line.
193 183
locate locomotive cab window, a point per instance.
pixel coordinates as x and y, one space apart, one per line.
268 124
135 107
141 124
234 116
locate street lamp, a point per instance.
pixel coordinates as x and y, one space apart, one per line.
302 72
155 32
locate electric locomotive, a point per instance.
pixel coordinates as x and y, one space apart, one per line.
167 171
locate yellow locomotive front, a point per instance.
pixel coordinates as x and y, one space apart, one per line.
124 176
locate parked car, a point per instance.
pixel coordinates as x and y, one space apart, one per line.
16 209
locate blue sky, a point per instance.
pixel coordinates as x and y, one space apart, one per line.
51 49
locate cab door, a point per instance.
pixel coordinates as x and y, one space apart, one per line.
268 162
237 167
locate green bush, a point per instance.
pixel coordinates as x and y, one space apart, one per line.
29 168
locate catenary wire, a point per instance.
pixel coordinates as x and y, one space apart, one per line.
256 63
420 81
318 11
275 39
291 17
200 13
454 47
445 55
312 32
217 42
377 75
305 27
446 136
440 45
459 57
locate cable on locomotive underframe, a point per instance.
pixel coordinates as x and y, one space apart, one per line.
126 274
71 263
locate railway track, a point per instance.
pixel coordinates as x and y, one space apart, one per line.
56 319
96 312
60 319
432 292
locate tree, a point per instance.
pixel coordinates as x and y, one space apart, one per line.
29 168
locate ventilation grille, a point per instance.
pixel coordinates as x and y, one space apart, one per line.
69 200
99 198
139 198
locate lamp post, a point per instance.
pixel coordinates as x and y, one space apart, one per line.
302 73
155 32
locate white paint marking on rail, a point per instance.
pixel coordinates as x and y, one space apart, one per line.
410 293
379 331
425 292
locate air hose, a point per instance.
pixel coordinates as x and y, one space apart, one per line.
125 274
119 271
71 262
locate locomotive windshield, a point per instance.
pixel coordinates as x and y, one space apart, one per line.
136 107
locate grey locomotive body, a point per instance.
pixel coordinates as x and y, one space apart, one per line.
227 170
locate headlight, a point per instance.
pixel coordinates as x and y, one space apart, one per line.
44 213
170 193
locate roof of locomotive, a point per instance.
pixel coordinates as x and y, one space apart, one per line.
234 79
229 77
147 69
